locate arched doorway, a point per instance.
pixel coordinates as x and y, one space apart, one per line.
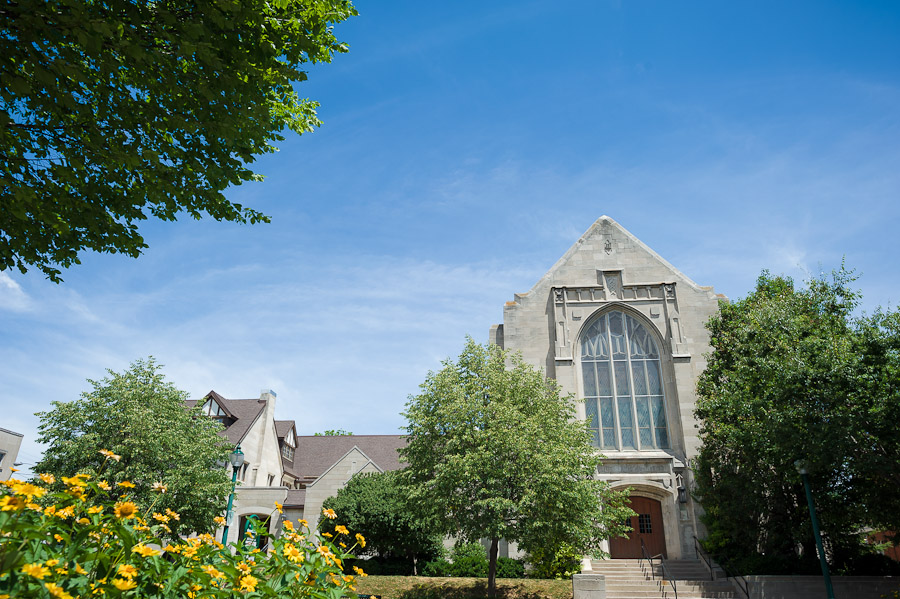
646 525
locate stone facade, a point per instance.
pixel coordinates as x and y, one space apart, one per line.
9 450
607 278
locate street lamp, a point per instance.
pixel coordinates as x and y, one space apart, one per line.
800 465
237 460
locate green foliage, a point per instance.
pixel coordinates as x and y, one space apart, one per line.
560 562
794 375
438 567
375 506
143 419
113 112
334 433
88 539
510 568
469 560
496 452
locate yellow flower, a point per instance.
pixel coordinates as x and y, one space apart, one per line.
173 515
123 585
219 520
160 517
57 591
327 534
159 488
28 490
189 552
125 509
62 571
104 485
340 528
34 506
303 523
172 548
361 540
95 509
213 573
58 537
126 484
359 571
9 503
144 551
248 583
329 513
47 478
35 570
52 562
75 481
66 512
127 571
243 567
83 521
293 554
288 525
80 570
279 507
110 455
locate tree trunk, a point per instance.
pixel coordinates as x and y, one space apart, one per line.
492 568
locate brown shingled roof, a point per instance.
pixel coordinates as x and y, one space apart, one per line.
283 427
243 411
316 454
295 498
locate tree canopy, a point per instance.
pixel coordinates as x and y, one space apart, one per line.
113 112
794 375
375 505
494 451
142 419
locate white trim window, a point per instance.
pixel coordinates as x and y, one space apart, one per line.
625 404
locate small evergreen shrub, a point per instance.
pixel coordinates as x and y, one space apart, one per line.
510 568
438 567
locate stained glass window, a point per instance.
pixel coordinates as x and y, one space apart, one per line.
622 384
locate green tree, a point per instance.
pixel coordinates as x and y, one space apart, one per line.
143 419
334 433
111 112
375 506
495 452
794 375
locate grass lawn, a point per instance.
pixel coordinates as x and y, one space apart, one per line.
420 587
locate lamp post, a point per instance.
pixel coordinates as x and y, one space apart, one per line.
800 465
237 460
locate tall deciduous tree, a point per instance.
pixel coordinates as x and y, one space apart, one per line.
375 505
112 112
496 452
795 376
144 420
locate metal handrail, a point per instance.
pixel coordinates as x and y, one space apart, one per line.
704 556
662 562
743 584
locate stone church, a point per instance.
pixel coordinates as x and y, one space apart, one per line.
623 330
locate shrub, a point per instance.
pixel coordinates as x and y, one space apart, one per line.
559 562
89 538
438 567
469 560
510 568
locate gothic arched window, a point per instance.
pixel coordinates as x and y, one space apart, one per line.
623 389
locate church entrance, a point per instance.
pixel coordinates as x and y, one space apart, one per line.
646 525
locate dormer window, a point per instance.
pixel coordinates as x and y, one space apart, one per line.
212 409
287 451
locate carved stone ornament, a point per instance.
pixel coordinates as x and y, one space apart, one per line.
608 247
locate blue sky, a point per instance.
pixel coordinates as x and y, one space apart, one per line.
466 146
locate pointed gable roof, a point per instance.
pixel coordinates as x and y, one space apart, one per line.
600 248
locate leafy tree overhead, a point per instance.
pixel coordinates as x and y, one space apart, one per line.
495 452
794 375
375 506
142 419
112 112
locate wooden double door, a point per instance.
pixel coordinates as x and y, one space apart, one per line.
646 525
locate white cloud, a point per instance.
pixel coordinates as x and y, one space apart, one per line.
12 297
